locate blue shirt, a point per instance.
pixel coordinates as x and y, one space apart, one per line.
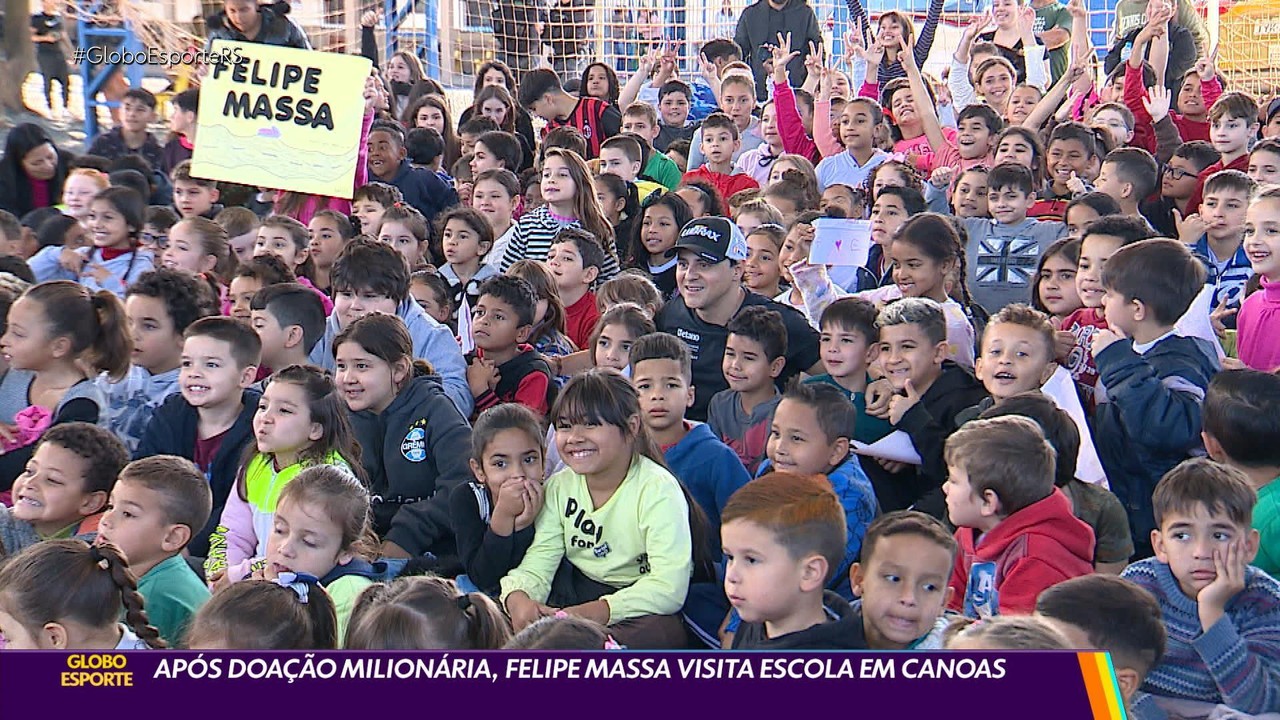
1229 277
843 168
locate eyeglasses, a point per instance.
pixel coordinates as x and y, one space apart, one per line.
1177 173
160 241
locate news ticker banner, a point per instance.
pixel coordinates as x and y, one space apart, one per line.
1052 685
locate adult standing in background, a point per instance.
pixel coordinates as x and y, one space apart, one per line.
760 25
247 21
1053 28
48 33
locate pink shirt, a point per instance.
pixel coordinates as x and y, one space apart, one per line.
1258 339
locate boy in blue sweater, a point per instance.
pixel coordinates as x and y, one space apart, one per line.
1221 615
388 163
1150 387
810 436
662 373
371 276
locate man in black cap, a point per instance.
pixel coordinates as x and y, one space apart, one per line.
709 281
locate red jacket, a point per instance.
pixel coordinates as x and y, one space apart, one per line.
1241 163
726 185
1036 547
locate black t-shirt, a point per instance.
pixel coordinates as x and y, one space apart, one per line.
45 24
706 344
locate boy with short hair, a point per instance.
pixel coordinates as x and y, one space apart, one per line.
159 307
1116 616
370 202
1234 119
674 100
182 124
1094 504
64 489
1218 239
1156 381
389 163
137 112
157 505
1178 180
782 538
210 422
576 260
1003 251
469 132
250 277
622 155
1017 356
720 143
542 94
1220 614
930 392
193 196
754 355
737 101
1242 429
371 276
641 120
1016 532
504 367
1101 240
662 374
904 552
1128 176
850 342
289 319
13 241
809 435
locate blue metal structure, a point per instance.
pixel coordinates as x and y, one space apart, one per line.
394 14
94 76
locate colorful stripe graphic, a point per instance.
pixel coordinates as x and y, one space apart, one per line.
1100 682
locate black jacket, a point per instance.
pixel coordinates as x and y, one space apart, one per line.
486 556
172 431
276 29
760 24
422 189
415 452
930 423
843 631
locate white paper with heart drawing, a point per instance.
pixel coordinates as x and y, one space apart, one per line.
837 241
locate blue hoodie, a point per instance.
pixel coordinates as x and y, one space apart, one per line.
123 270
858 499
432 342
712 472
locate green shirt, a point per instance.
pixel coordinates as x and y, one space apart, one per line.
1266 520
344 592
173 593
662 170
867 428
1050 17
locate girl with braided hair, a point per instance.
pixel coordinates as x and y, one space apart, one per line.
67 595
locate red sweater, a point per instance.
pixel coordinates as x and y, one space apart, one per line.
580 320
1035 548
725 184
1241 163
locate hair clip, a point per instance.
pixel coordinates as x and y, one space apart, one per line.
98 558
299 583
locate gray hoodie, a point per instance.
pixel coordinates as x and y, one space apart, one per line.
432 342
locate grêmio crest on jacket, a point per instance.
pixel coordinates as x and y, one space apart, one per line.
414 445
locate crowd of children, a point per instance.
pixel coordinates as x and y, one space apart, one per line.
588 390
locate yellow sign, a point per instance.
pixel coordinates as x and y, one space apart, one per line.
281 118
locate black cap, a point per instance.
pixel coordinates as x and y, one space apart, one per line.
715 239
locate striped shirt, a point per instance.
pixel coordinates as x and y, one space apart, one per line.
536 230
596 119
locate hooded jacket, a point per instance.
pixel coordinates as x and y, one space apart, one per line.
432 342
1034 548
858 499
710 470
760 25
842 632
1148 420
276 28
422 189
415 453
929 423
172 431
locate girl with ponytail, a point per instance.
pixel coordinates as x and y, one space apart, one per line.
68 595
